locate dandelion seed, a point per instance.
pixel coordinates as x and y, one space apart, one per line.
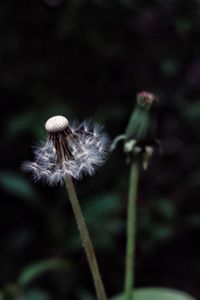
70 150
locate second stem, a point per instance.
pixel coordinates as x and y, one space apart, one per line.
131 233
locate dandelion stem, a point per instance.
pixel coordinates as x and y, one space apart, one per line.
87 244
131 226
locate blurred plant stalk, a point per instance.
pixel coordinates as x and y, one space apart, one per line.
138 147
87 244
131 225
139 140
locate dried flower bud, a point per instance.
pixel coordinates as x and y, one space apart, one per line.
146 99
141 123
140 136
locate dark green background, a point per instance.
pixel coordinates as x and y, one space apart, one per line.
88 59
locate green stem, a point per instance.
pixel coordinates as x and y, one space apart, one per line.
131 224
87 244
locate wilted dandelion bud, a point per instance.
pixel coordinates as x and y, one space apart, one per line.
141 124
139 137
146 99
140 132
70 150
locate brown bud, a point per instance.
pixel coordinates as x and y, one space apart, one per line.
146 99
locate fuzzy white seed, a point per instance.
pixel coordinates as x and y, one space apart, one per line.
55 124
74 154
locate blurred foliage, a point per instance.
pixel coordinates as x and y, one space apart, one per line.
17 185
87 59
157 294
37 268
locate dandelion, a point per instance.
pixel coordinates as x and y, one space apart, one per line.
70 150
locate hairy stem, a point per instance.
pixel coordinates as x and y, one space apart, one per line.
131 224
87 244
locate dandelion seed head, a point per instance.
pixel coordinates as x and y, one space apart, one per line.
56 124
74 150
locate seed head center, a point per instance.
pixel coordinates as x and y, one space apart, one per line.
56 124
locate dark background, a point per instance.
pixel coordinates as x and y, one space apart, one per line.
88 59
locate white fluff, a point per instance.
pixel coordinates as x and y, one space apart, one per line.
88 146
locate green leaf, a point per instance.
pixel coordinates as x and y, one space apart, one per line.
170 67
192 112
101 206
1 296
21 122
84 295
17 185
105 207
157 294
36 294
165 208
31 272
